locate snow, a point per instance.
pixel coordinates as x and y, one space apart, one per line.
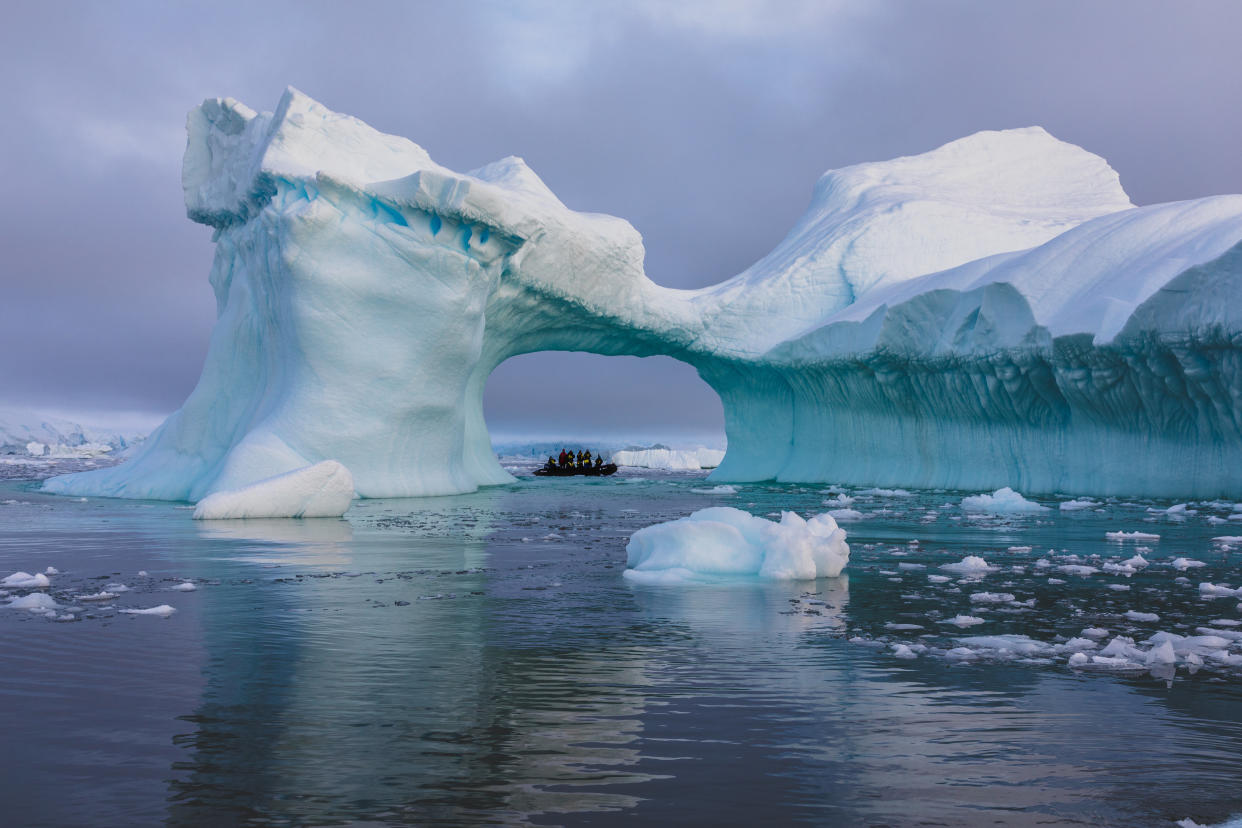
723 541
323 490
24 580
994 311
1003 501
670 459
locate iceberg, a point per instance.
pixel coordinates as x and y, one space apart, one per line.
670 459
992 313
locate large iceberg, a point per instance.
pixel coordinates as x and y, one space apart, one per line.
992 313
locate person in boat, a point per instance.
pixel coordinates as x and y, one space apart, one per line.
564 458
551 464
599 462
579 459
586 458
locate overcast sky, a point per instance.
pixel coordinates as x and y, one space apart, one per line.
705 124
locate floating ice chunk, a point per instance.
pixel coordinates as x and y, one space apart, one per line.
1137 562
24 580
911 566
970 565
846 514
35 602
1003 501
885 493
1210 590
1119 587
51 570
1079 644
889 625
1225 622
185 587
1079 660
964 621
1182 564
1162 654
162 611
1021 549
938 579
841 501
323 490
1016 644
725 489
903 651
97 596
142 573
727 541
1228 540
1077 505
1135 615
1078 569
1095 632
991 598
1131 536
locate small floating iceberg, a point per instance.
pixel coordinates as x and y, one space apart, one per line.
723 541
1004 501
323 490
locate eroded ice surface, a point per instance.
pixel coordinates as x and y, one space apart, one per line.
323 490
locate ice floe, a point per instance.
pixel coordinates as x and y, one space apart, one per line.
723 541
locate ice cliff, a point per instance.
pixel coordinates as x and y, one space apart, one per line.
992 313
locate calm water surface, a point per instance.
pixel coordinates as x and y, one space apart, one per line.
481 660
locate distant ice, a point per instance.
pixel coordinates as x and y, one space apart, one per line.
670 459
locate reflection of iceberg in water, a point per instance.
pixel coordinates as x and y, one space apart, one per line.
326 697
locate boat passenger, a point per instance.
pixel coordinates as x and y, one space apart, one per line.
599 462
564 458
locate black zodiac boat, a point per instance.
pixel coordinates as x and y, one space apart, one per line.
570 471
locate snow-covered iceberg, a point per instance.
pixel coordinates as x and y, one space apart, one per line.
992 313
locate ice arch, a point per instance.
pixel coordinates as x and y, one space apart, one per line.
994 312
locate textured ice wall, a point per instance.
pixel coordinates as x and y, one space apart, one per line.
993 312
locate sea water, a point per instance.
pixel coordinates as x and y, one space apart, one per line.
481 659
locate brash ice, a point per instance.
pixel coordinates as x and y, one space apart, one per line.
992 313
